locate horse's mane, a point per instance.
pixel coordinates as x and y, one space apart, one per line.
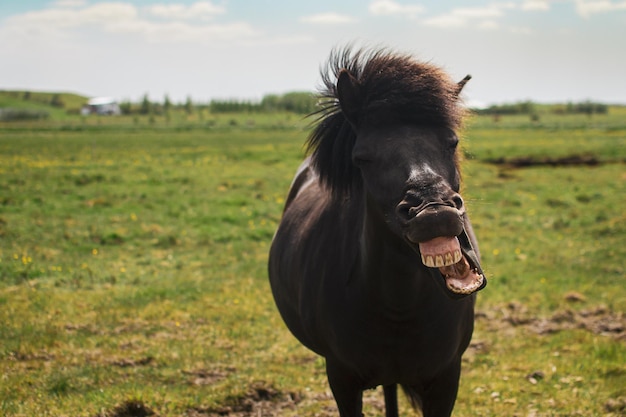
391 85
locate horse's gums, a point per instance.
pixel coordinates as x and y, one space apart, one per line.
440 252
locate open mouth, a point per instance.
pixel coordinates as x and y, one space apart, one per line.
456 261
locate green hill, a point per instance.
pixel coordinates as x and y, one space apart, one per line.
51 104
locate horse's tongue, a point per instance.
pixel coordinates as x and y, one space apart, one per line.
440 252
459 269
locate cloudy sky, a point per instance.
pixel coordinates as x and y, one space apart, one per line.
543 50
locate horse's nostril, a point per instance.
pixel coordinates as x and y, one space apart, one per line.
407 210
458 202
404 211
409 206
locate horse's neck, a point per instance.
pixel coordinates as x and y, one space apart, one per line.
391 272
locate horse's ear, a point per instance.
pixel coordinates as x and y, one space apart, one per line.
462 83
348 92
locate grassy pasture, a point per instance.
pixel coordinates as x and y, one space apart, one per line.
133 269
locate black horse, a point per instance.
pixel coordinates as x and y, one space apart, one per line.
374 265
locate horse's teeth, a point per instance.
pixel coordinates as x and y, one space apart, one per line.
439 261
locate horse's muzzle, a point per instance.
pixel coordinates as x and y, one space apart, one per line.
436 231
434 221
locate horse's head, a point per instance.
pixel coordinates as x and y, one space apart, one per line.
408 168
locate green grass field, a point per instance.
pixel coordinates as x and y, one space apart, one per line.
133 269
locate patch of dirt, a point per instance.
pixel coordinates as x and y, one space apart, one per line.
208 376
27 357
264 400
530 161
598 320
85 328
131 408
616 405
130 363
261 399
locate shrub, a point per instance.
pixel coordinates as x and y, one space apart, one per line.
14 115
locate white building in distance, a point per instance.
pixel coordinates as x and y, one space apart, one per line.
101 106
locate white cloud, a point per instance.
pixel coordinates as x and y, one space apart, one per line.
61 22
390 8
70 3
494 10
328 18
449 20
481 17
171 32
54 19
198 10
586 8
536 5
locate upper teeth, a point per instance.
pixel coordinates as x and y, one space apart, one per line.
439 261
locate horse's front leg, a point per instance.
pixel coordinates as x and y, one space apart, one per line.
346 389
440 395
391 400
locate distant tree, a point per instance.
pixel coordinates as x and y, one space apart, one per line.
297 102
10 115
271 102
601 108
526 107
126 107
26 95
146 106
167 104
56 101
188 105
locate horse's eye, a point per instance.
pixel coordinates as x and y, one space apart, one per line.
361 157
360 161
454 142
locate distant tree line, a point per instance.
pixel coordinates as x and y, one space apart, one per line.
586 107
296 102
234 106
523 107
530 108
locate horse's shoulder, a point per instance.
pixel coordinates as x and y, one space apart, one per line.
304 176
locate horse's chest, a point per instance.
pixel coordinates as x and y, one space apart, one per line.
387 352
